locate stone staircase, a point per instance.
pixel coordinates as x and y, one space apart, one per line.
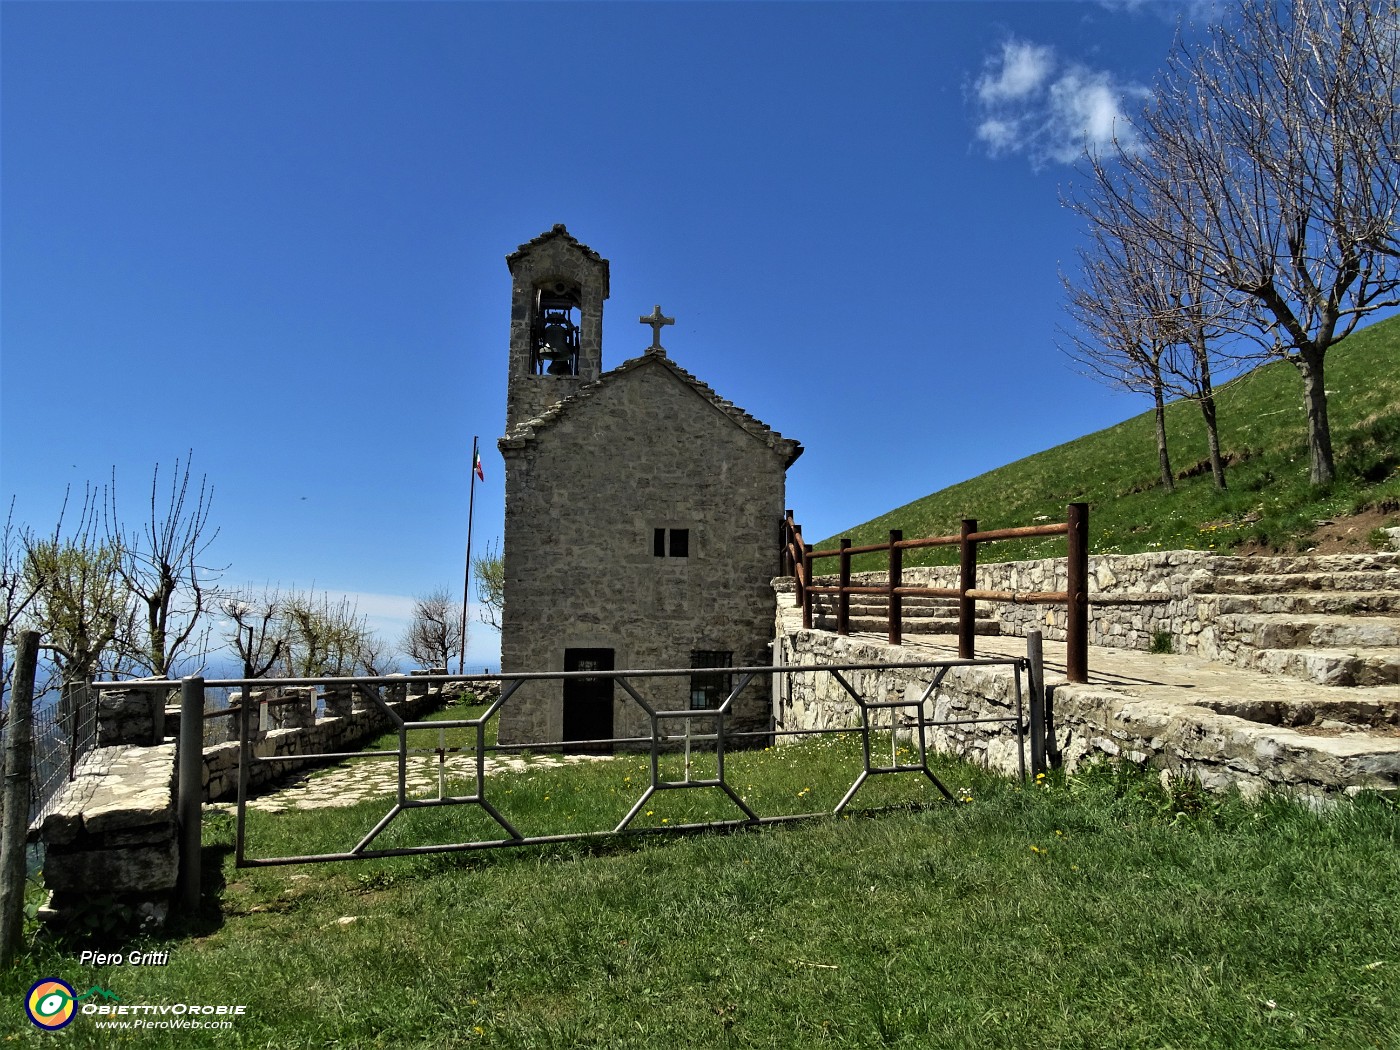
870 614
1329 619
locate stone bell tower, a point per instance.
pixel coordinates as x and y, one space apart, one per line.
556 322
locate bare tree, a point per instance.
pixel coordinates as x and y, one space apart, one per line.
325 636
257 629
1152 294
1286 130
161 566
435 632
490 571
1116 337
376 656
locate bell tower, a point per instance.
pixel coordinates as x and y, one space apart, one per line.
556 322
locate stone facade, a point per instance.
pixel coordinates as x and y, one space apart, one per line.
642 523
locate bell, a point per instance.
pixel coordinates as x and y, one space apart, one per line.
556 346
556 337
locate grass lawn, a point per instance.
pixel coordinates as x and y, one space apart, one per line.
1094 911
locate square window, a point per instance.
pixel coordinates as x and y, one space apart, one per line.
709 688
680 543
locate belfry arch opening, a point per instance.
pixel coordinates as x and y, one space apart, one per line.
554 336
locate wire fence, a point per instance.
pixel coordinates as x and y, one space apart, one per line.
65 729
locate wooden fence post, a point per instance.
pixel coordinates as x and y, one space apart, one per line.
1077 625
967 580
843 600
807 590
896 581
19 751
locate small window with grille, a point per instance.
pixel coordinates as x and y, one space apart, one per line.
709 687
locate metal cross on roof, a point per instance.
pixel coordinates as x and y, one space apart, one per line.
656 320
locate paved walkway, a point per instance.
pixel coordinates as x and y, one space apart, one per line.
351 782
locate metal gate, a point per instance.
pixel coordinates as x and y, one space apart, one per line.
669 732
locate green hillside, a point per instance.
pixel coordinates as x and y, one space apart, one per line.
1262 432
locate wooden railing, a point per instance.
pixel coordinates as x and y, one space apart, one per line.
798 558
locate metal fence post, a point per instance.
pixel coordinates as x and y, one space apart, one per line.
19 750
191 788
1035 672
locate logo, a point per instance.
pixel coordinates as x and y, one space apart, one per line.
51 1003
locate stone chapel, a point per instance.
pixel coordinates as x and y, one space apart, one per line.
642 522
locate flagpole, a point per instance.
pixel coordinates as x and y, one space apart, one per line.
467 580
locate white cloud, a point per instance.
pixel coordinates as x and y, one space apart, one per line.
1021 70
1001 136
1029 102
1086 112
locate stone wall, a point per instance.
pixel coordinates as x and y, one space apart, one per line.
339 732
817 701
111 836
1237 744
586 491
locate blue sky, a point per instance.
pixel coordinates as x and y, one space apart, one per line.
274 233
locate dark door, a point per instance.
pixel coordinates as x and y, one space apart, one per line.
588 702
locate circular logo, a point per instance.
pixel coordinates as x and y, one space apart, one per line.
51 1003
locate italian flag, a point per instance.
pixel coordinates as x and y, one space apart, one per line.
476 466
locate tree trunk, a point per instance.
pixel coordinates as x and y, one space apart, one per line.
1217 464
1322 469
1160 417
1205 393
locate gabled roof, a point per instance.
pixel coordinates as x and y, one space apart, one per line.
525 433
556 232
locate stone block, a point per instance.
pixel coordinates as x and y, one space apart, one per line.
141 869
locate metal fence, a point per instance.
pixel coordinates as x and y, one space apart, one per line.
670 731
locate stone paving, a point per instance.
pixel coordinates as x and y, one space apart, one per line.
351 782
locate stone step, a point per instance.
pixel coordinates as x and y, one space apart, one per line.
1337 603
912 624
1301 631
1273 583
1349 667
1312 564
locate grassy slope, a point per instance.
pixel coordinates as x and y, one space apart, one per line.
1262 428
